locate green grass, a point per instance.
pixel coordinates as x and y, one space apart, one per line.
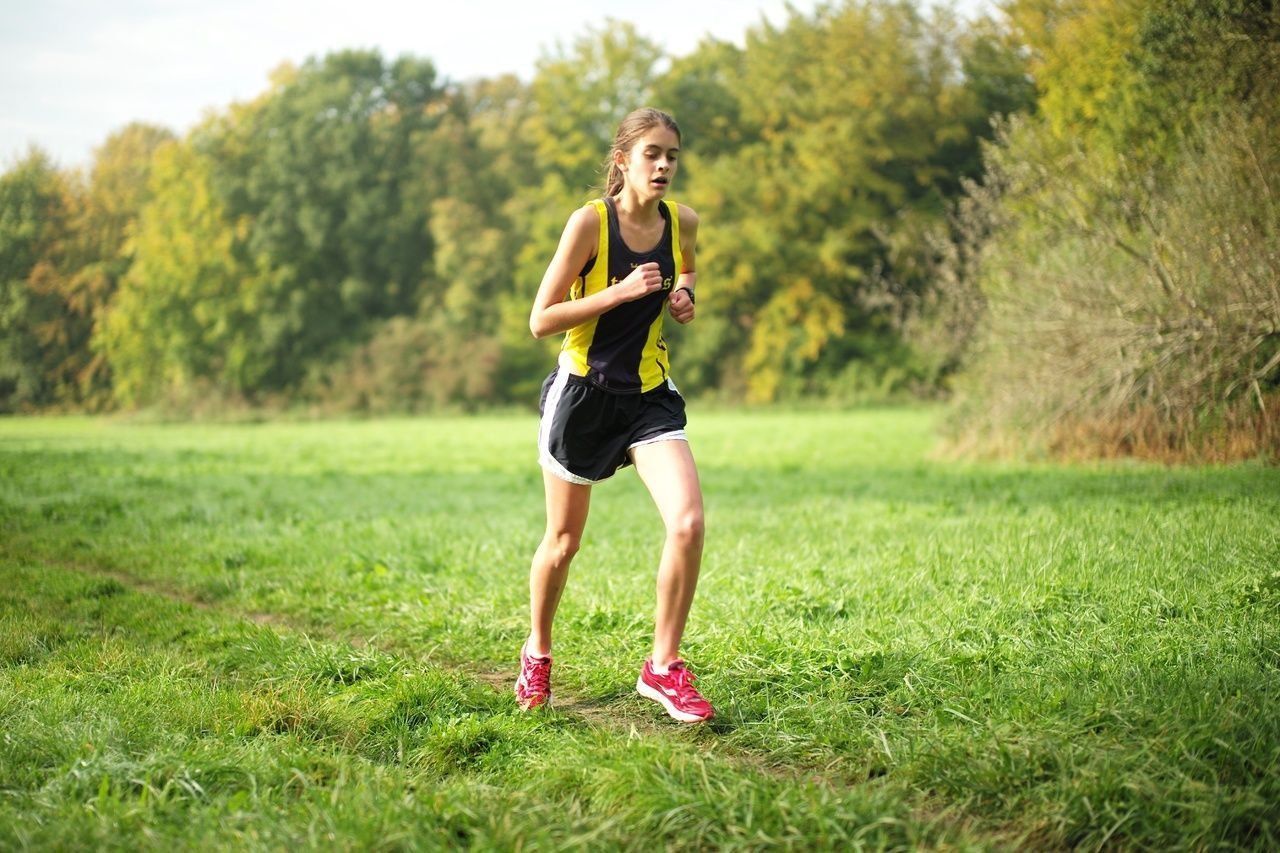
280 634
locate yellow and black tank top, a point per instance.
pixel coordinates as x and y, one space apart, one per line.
622 349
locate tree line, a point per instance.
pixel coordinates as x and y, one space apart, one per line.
368 234
1061 215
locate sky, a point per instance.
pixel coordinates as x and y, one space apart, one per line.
73 71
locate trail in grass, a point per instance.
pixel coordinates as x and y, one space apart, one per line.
178 722
598 713
611 715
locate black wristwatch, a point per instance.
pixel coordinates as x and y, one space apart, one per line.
689 291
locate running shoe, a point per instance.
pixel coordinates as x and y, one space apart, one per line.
533 687
675 692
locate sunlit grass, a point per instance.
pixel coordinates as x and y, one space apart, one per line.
901 651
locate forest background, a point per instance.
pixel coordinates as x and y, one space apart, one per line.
1062 218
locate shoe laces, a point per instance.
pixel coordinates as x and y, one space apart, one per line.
682 677
537 674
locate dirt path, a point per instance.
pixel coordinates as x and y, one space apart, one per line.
601 714
604 714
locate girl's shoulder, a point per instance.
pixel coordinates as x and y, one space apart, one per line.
585 221
688 219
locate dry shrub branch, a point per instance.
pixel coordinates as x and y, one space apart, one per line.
1099 310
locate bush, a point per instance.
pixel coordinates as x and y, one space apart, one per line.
1113 310
409 365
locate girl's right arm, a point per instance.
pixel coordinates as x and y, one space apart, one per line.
551 314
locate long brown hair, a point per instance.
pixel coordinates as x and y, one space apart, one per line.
634 126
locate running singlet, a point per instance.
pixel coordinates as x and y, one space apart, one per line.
623 349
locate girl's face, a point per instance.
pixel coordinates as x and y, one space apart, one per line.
651 163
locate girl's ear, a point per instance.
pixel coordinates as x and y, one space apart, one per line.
620 160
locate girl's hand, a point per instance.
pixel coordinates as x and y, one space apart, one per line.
642 281
680 305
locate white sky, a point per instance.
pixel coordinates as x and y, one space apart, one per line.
72 71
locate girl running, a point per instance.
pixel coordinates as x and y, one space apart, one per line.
610 402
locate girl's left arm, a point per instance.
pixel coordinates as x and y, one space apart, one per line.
680 304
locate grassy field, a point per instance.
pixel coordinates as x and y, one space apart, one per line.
305 634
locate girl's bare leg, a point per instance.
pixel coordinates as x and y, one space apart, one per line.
567 505
669 473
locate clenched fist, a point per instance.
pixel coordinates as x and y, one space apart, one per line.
640 282
680 305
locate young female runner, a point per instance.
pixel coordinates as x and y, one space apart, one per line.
610 403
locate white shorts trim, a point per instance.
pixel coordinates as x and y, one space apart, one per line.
545 459
674 435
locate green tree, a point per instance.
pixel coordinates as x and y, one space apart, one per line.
459 346
1138 77
38 205
499 113
189 315
700 89
116 191
851 119
316 170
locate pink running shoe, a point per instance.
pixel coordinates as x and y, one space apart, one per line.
533 687
675 691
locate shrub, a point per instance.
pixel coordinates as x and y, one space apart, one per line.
409 365
1105 310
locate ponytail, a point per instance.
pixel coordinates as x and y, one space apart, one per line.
613 177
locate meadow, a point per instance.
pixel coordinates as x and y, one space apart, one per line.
304 634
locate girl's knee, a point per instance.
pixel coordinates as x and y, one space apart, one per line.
562 545
688 528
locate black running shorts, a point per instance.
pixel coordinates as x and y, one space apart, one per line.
586 432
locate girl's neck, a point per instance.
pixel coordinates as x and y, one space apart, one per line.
634 208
